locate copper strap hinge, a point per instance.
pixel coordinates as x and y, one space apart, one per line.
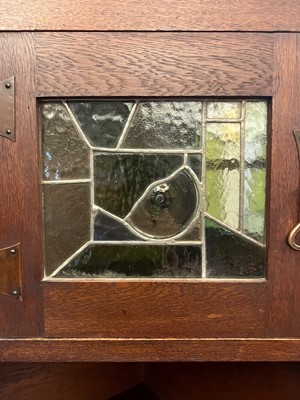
7 108
10 271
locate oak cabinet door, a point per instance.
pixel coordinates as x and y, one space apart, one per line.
152 185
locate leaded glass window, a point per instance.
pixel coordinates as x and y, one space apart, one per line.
154 188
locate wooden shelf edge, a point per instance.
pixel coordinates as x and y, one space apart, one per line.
143 350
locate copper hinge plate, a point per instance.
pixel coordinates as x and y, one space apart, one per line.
10 271
7 107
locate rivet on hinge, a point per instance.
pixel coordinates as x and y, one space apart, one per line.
7 107
10 271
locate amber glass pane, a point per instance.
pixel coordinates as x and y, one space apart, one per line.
167 208
66 221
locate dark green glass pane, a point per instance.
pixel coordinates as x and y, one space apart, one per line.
117 261
167 208
107 228
66 221
102 122
195 163
121 179
229 255
166 125
65 155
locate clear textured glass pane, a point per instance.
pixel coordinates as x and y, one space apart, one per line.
121 179
165 125
255 173
65 155
223 172
102 122
135 261
224 110
167 208
108 228
66 221
230 255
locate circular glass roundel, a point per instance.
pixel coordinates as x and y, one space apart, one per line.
167 208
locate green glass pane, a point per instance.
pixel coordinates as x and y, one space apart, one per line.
165 125
229 255
102 122
121 179
135 261
66 221
65 155
167 208
255 173
223 172
224 110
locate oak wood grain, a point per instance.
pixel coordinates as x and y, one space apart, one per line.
224 381
296 314
154 309
136 350
20 211
66 381
236 15
284 272
154 64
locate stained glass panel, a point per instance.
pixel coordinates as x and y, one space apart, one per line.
160 188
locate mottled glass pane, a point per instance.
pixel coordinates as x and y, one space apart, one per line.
166 125
66 221
121 179
224 110
167 207
107 228
102 122
255 173
135 261
223 172
65 155
195 163
230 255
